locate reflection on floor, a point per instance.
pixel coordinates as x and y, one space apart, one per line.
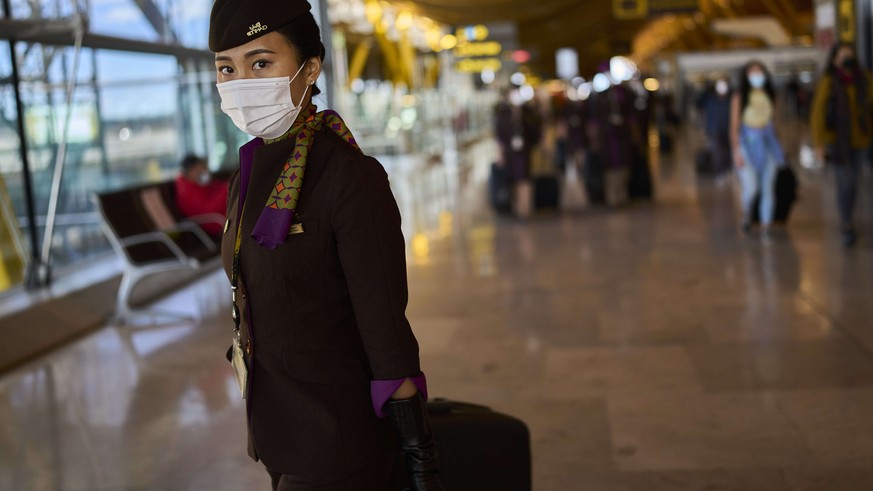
649 348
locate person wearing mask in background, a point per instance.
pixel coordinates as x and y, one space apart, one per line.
756 149
717 114
613 139
841 127
198 194
322 349
518 129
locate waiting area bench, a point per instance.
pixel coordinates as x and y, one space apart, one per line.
147 231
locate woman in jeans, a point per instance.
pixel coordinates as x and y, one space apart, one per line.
841 126
756 149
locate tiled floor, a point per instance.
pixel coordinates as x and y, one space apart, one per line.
649 348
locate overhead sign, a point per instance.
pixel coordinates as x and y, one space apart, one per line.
479 65
630 9
476 51
640 9
486 48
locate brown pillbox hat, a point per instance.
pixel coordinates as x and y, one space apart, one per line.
236 22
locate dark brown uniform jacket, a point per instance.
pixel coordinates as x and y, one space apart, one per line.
323 313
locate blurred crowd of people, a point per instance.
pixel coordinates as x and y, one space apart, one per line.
592 144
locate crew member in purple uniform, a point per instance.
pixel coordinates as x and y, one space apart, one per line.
322 349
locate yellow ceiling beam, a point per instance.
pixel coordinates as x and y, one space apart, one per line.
787 22
725 7
798 19
391 56
359 59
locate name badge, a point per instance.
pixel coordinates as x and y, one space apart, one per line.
296 228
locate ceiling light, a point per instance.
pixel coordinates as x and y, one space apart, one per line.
601 82
652 84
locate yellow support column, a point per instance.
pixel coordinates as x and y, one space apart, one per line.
12 254
359 59
846 15
392 59
407 60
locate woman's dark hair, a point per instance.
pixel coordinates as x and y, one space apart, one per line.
304 36
832 55
746 86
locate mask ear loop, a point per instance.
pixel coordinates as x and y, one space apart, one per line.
305 90
312 82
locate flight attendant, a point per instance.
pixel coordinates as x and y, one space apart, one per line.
322 349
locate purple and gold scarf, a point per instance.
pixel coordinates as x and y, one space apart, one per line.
274 223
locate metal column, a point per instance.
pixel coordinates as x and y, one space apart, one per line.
44 267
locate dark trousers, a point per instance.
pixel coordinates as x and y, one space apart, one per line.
846 176
720 146
389 476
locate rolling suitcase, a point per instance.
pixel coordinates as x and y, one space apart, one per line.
640 181
703 162
480 449
665 141
498 189
593 175
785 189
546 193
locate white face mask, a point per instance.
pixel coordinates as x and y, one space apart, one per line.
757 80
262 107
721 87
204 178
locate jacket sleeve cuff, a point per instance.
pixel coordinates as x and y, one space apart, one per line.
381 391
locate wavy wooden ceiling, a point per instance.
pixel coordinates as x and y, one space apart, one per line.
590 27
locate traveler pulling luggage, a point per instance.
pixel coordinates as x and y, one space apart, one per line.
518 131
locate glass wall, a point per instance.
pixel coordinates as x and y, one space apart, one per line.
182 21
132 118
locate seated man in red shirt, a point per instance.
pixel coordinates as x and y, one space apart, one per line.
197 193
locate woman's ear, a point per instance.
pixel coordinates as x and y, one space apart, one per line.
313 70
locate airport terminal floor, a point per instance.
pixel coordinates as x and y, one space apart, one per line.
652 347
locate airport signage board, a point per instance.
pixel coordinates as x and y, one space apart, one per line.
477 51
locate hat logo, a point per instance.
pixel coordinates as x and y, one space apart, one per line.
256 29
